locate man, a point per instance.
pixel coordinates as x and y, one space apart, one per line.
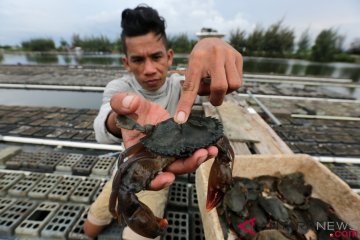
149 96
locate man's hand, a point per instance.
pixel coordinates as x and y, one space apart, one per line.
215 59
146 112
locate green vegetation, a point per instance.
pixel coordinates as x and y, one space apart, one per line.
278 41
181 43
304 46
254 42
39 45
42 58
92 44
117 46
238 40
5 47
275 41
355 47
327 44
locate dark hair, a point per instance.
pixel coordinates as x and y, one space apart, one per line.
140 21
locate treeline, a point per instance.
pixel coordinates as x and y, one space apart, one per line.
279 41
87 44
38 44
275 41
180 43
92 44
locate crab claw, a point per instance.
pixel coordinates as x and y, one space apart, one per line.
139 217
220 177
132 176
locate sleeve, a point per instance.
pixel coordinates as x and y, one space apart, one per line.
102 135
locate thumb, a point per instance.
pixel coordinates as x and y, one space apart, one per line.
125 103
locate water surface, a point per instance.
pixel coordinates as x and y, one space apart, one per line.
50 98
255 65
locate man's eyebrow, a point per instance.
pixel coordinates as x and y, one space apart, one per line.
157 53
151 54
136 57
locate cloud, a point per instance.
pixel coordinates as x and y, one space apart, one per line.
24 19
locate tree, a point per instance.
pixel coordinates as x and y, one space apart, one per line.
355 46
180 43
92 44
118 45
327 44
76 40
278 40
255 41
238 40
96 44
304 48
39 44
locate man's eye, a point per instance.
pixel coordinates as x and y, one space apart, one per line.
136 60
156 57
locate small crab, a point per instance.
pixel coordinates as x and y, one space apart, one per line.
293 190
163 144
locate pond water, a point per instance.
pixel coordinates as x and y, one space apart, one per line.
92 100
47 98
251 65
302 68
60 59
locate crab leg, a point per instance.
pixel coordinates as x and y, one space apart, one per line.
139 217
117 178
220 177
133 176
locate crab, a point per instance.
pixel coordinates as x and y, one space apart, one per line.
162 145
293 190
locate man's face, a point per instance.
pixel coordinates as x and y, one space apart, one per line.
148 59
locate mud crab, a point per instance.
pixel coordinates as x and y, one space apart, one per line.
276 207
163 144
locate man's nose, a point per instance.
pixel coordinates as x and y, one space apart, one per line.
149 67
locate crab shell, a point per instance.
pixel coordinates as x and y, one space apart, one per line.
184 139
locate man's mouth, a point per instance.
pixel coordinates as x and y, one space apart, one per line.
152 82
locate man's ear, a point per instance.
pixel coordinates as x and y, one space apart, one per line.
170 54
125 62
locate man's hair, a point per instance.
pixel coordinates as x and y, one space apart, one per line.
141 21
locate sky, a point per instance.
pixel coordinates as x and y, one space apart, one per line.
22 20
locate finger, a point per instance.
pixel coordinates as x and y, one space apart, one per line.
190 164
184 106
125 103
239 65
218 86
204 88
232 75
212 152
189 92
162 180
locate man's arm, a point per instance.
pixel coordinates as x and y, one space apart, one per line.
102 128
111 124
104 124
